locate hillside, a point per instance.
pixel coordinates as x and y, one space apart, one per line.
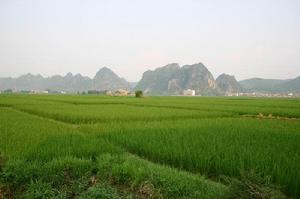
271 85
105 79
228 84
173 79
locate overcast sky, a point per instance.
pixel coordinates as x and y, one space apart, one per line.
246 38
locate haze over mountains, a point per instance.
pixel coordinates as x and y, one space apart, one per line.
171 79
105 79
271 85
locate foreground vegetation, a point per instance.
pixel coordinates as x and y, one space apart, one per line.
55 146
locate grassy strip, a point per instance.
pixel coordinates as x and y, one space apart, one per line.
77 114
148 180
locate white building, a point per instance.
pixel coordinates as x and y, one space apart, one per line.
109 93
45 92
189 92
121 92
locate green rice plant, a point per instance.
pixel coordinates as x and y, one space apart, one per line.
58 178
77 114
31 137
222 146
100 192
53 145
52 159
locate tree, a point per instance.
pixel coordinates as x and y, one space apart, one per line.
139 93
8 91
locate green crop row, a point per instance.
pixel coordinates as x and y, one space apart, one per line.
215 147
77 114
275 106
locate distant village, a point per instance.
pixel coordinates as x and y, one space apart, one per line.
190 92
256 94
124 92
118 92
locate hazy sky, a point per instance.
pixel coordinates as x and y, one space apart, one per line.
247 38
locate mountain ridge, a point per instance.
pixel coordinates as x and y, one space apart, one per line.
271 85
171 79
228 84
105 79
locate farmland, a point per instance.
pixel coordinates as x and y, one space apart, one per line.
71 146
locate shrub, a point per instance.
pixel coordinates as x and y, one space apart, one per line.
139 93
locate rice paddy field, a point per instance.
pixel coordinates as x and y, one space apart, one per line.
72 146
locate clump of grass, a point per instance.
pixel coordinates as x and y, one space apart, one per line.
155 181
147 190
2 161
68 176
39 189
100 191
2 187
252 186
